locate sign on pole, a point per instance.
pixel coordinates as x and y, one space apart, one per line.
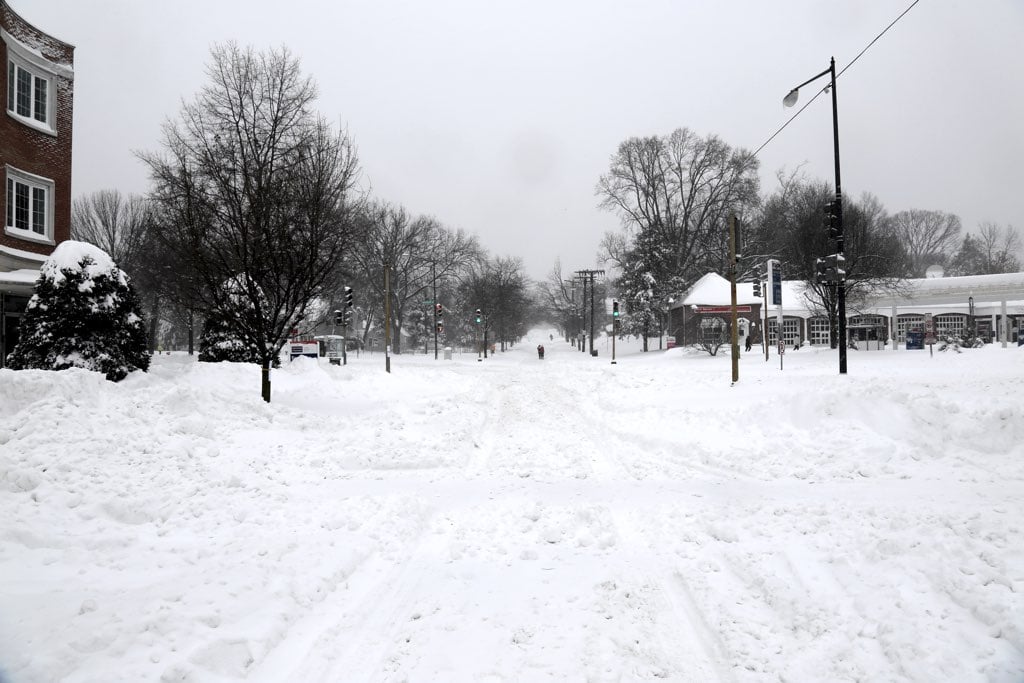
775 283
929 329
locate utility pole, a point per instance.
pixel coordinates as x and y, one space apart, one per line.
387 317
437 319
589 275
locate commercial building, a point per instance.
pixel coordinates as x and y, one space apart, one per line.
991 305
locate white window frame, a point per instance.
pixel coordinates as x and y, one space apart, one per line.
790 331
954 324
32 181
905 322
37 67
821 333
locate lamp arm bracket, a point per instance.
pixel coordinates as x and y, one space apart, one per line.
811 80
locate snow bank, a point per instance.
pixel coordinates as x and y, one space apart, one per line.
517 519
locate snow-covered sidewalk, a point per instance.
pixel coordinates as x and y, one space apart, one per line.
517 519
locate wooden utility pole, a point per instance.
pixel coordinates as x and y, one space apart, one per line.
589 275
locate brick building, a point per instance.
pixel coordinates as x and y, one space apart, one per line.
35 159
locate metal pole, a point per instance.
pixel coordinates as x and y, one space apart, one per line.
732 293
387 318
764 326
583 317
591 314
433 274
840 242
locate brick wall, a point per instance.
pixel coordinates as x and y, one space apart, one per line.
35 151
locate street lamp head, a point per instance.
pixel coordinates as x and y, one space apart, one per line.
790 99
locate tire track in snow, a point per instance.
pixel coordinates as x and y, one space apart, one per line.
694 645
372 607
697 648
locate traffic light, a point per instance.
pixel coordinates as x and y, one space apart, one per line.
757 288
834 219
479 317
828 271
339 318
438 309
440 328
349 301
615 309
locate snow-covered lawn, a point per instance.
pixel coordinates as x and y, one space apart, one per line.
518 519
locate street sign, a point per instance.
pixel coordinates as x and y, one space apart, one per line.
721 309
775 281
929 329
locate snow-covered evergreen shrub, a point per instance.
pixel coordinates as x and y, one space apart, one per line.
218 342
84 314
222 338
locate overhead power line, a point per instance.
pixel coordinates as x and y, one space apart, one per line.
825 89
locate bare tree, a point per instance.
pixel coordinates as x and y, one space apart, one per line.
792 220
498 288
928 237
257 190
418 254
121 226
558 300
115 223
673 194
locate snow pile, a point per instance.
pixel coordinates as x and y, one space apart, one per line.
517 519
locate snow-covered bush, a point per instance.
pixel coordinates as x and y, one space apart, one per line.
219 342
956 342
222 338
84 314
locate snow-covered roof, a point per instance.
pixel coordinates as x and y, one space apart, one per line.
926 294
924 291
22 254
713 290
22 276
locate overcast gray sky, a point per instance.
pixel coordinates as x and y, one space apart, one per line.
498 117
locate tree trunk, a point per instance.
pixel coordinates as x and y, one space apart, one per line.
265 380
154 322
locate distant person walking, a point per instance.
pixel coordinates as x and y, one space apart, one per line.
540 351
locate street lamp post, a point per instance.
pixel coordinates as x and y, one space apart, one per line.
788 101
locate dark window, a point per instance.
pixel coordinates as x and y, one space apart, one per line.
39 210
24 93
27 94
21 206
40 113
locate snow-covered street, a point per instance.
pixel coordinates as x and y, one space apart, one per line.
517 519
